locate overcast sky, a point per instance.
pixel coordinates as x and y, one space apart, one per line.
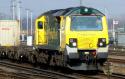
113 8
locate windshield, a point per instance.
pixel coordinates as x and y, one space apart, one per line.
79 23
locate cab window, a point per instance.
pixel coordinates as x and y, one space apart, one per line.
80 23
40 25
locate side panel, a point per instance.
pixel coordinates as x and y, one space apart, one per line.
9 33
53 33
62 34
47 37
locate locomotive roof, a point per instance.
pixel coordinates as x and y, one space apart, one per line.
73 10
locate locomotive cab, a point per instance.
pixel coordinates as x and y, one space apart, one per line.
40 37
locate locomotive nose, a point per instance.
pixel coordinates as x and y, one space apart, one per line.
87 43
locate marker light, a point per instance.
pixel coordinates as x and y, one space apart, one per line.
73 42
101 42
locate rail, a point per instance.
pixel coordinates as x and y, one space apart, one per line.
26 71
31 72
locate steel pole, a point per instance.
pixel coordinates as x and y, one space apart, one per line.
80 2
13 8
113 31
31 17
27 21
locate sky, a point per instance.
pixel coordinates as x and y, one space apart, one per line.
112 8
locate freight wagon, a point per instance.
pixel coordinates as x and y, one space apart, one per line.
9 33
10 44
9 36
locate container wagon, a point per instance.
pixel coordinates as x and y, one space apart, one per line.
9 37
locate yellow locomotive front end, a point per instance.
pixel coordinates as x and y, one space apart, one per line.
86 41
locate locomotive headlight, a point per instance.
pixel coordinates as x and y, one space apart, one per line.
101 42
73 42
86 53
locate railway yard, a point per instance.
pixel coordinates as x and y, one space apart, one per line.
113 69
71 42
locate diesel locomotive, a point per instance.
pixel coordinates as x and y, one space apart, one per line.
75 37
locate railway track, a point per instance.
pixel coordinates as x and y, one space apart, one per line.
117 51
116 60
100 76
117 67
30 73
118 76
8 75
